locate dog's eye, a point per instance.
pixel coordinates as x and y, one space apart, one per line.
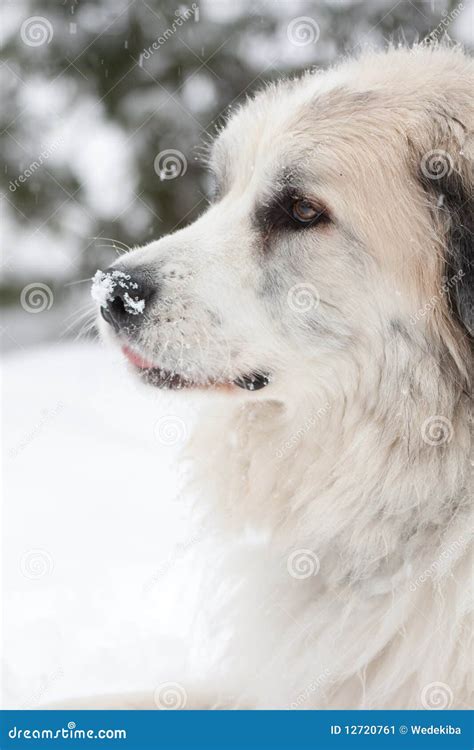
305 213
290 212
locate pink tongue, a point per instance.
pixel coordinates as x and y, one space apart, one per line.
136 359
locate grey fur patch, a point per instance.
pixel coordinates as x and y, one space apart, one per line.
453 201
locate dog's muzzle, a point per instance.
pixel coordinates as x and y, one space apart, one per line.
123 297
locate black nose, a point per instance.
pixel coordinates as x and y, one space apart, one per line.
123 295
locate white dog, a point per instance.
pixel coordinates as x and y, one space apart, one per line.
325 300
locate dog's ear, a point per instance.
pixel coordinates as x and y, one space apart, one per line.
446 173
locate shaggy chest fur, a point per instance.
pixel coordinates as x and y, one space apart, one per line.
341 547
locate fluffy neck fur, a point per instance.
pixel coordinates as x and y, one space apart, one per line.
354 470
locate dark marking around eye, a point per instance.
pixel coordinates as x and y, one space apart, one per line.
278 213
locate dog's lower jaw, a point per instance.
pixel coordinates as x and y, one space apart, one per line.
160 377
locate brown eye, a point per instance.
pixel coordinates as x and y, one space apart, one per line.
305 213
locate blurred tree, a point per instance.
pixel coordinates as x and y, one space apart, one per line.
99 88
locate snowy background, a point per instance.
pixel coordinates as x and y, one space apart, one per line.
95 94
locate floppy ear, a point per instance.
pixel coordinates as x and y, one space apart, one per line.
446 173
457 187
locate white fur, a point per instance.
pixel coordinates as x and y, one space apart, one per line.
331 461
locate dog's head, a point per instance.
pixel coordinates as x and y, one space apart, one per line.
342 213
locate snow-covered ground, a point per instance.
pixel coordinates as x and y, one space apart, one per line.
94 528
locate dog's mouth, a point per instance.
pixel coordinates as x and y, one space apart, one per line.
162 378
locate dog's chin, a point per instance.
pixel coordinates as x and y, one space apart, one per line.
160 377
